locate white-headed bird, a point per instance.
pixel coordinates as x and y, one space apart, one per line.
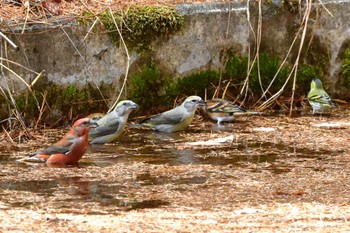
112 125
318 97
176 119
221 110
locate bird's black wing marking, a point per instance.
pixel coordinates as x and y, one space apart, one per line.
52 150
103 130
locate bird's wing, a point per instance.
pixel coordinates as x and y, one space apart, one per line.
173 117
232 108
323 99
224 106
104 130
108 119
54 149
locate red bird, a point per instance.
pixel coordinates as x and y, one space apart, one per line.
69 149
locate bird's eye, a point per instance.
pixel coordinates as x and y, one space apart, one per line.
194 101
124 103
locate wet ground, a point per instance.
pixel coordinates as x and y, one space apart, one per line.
262 173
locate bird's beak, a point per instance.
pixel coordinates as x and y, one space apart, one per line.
134 106
201 103
93 124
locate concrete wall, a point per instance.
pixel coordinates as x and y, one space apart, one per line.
210 27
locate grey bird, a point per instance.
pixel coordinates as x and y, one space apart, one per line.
112 125
176 119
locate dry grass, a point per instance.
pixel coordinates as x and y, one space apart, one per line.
10 10
292 179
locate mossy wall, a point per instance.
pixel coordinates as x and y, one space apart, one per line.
212 42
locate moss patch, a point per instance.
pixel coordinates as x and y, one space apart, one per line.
236 72
198 83
62 103
150 88
346 68
141 25
153 89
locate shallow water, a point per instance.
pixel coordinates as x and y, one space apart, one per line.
129 175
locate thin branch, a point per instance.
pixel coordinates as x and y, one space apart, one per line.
7 134
257 38
307 14
16 75
27 6
8 40
42 108
86 65
282 64
295 66
22 66
90 29
36 79
127 62
223 60
325 8
258 42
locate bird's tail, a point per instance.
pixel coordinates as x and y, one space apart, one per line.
247 113
31 160
138 126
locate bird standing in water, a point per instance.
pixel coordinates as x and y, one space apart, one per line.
176 119
318 97
69 149
112 125
221 110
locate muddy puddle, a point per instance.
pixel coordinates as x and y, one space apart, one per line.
267 160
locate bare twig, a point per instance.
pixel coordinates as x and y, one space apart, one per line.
251 64
281 66
20 120
8 40
225 49
86 65
42 109
258 42
320 1
22 66
303 28
36 79
90 29
16 75
306 19
27 7
127 62
7 134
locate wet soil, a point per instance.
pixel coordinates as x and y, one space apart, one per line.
278 174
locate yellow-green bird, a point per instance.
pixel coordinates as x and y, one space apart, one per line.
176 119
221 110
318 97
112 125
